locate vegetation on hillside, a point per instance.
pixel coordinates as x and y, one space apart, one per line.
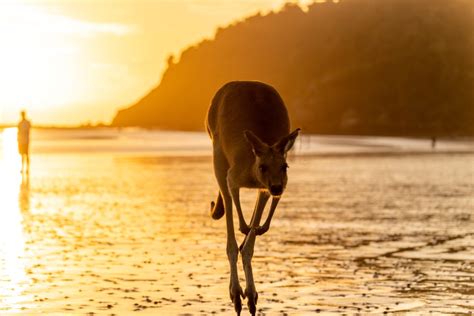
391 67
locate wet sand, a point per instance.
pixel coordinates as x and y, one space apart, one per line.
104 234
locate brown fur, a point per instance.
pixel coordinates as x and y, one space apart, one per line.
250 131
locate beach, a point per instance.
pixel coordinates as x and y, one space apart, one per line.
117 222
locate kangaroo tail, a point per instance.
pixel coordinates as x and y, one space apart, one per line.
217 208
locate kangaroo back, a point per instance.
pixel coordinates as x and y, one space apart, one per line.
246 105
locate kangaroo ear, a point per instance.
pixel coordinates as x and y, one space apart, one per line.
258 147
285 144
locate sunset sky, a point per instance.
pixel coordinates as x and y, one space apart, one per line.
74 61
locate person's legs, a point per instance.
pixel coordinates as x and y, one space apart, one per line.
22 162
27 158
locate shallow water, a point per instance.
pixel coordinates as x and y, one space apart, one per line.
125 231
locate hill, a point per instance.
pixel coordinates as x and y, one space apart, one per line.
392 67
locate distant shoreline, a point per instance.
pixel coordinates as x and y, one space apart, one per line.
154 142
61 127
112 127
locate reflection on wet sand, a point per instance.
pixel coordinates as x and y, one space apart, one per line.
12 242
125 234
24 195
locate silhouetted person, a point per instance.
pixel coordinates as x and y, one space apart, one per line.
433 143
24 127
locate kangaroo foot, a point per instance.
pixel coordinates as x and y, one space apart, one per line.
252 297
236 292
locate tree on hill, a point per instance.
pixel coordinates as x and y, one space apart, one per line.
398 67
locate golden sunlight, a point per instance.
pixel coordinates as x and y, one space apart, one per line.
156 136
12 242
37 58
69 62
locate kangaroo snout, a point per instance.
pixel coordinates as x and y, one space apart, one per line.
276 189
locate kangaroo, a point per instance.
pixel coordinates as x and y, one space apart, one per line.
249 127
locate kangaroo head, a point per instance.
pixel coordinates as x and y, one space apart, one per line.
270 161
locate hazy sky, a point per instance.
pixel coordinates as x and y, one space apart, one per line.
72 61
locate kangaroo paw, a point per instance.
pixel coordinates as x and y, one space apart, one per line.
244 229
260 230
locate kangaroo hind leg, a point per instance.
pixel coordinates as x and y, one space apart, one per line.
246 249
221 167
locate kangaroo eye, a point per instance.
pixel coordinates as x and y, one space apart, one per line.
284 167
263 168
